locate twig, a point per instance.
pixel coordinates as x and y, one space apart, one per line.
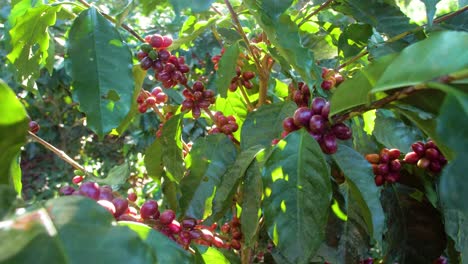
124 26
321 7
404 34
62 155
250 107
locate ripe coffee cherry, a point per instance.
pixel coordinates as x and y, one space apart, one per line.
248 75
34 127
288 125
167 217
132 197
189 223
382 168
317 105
156 90
235 244
329 145
341 131
440 260
379 180
141 55
394 153
317 124
167 41
107 205
161 98
419 148
392 177
146 63
127 217
121 206
302 116
66 190
395 165
326 110
156 41
105 193
432 154
328 84
411 158
149 209
174 227
90 189
435 166
150 101
164 55
77 179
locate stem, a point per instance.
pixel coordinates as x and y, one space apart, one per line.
124 26
62 155
250 107
321 7
404 34
154 107
246 254
208 112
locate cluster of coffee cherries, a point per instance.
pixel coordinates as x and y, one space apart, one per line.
330 79
224 124
197 98
315 121
386 166
168 68
301 95
34 126
367 261
426 156
240 61
232 229
241 79
165 222
147 99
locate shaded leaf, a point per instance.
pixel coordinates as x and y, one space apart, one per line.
101 67
227 69
262 126
409 222
153 160
360 179
354 38
297 196
252 190
209 159
171 145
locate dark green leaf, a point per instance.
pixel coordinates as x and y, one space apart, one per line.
393 133
252 190
455 226
13 130
227 69
265 124
171 145
229 182
166 250
209 159
30 40
409 222
355 91
360 178
441 53
153 160
297 196
354 38
451 124
283 33
7 196
74 230
453 188
385 16
101 70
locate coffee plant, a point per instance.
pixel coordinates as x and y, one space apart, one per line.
252 131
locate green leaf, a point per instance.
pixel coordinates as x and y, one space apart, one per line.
283 33
13 131
252 190
393 133
197 6
209 159
385 16
453 187
229 182
360 178
430 10
451 124
227 69
355 92
74 230
118 175
171 145
262 126
153 160
354 38
101 68
166 250
30 40
211 255
297 196
186 36
139 76
440 54
455 226
410 221
7 197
